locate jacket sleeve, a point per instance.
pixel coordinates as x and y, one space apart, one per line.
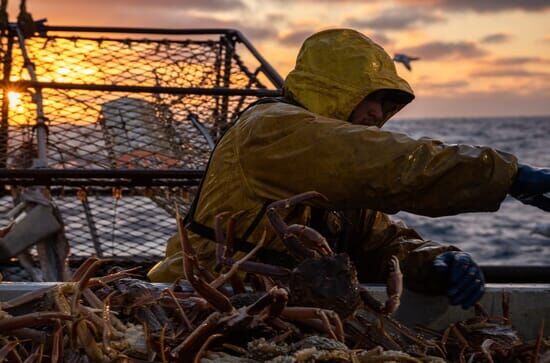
384 238
284 150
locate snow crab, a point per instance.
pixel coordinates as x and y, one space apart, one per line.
321 278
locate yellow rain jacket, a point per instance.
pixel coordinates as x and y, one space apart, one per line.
279 149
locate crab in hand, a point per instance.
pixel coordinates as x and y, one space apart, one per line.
321 278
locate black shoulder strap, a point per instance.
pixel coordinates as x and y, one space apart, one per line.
265 100
241 244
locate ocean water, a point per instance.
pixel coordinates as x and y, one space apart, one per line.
505 236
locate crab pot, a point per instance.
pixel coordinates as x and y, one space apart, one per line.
127 224
114 128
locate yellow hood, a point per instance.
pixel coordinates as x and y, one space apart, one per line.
336 69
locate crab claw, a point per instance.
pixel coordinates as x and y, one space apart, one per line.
394 286
302 242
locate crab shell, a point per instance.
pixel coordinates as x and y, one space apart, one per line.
336 288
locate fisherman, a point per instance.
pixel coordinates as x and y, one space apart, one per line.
325 135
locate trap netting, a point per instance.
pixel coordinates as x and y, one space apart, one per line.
117 126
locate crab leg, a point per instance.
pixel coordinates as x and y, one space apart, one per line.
204 346
4 351
96 303
82 283
57 343
456 332
370 301
81 328
202 331
394 286
326 316
25 298
538 343
276 299
112 277
363 333
36 355
31 319
36 336
230 234
83 268
235 267
221 240
506 307
213 296
410 334
107 325
182 313
486 349
254 267
224 241
280 299
224 247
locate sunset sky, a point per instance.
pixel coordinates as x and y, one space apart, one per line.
478 58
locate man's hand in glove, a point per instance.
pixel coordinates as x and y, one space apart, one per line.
532 186
465 282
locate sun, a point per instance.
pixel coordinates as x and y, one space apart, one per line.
15 99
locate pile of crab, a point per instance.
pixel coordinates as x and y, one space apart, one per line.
316 312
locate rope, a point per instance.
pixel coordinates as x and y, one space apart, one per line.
4 19
25 21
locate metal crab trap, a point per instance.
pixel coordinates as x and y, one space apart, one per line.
105 130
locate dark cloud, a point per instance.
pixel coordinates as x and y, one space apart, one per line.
496 38
497 5
276 17
483 6
184 5
513 61
129 13
396 20
379 38
335 2
295 38
516 73
144 4
252 32
256 32
445 50
444 85
166 15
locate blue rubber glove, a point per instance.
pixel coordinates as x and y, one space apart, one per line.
531 185
465 281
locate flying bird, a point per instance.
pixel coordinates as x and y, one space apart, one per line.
404 59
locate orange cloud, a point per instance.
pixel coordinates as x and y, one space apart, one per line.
397 19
